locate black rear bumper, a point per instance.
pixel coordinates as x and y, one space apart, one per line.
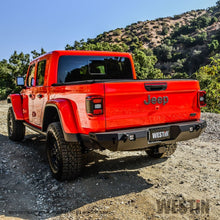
141 138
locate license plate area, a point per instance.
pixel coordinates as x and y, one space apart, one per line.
159 134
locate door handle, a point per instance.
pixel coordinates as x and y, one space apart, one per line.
151 87
40 96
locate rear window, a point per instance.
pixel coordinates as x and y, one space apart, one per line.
79 68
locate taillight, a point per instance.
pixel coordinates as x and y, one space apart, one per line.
94 105
202 98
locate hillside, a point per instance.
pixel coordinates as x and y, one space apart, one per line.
181 43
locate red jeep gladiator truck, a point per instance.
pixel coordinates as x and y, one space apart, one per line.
82 100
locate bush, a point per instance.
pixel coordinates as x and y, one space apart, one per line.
178 65
4 92
180 76
201 38
117 32
144 65
127 40
213 45
214 19
176 17
217 14
209 78
186 40
163 52
165 30
145 38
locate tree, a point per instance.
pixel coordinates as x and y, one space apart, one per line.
117 32
99 46
6 80
201 38
18 64
144 65
165 30
178 65
164 52
36 54
213 45
209 78
186 40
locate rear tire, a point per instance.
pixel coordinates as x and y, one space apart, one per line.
65 158
16 129
169 150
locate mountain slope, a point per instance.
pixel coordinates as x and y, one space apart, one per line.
182 43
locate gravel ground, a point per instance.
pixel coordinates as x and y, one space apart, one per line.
113 185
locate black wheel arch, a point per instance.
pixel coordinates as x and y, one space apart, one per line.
52 114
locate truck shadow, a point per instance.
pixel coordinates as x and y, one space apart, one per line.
26 180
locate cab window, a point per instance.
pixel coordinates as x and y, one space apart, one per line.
30 79
41 72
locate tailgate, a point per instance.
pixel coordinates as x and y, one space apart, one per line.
142 103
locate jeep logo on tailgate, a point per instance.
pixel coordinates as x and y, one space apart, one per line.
155 100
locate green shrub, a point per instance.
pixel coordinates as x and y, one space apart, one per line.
117 32
163 52
188 41
214 45
176 17
144 65
180 76
209 78
165 30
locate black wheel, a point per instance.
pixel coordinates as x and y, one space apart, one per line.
65 158
155 151
16 129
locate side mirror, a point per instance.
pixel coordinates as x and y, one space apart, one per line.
20 81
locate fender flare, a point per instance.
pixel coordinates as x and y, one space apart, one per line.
68 117
16 101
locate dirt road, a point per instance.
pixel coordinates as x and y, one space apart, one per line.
121 185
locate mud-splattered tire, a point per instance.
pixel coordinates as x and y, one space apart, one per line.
169 150
65 158
16 129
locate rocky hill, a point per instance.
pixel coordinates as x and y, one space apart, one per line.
182 43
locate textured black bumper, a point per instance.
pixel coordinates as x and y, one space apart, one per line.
139 138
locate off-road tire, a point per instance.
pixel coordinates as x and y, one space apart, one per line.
153 152
65 158
16 129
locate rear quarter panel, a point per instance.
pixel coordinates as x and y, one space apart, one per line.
76 94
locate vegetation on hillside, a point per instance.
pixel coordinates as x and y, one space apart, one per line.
182 46
209 78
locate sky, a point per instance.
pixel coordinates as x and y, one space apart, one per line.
27 25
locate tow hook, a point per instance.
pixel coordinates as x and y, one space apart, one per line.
124 137
197 127
131 137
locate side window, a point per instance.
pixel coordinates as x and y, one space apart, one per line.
30 79
41 72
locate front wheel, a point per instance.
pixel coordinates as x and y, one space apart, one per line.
167 151
16 129
65 158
